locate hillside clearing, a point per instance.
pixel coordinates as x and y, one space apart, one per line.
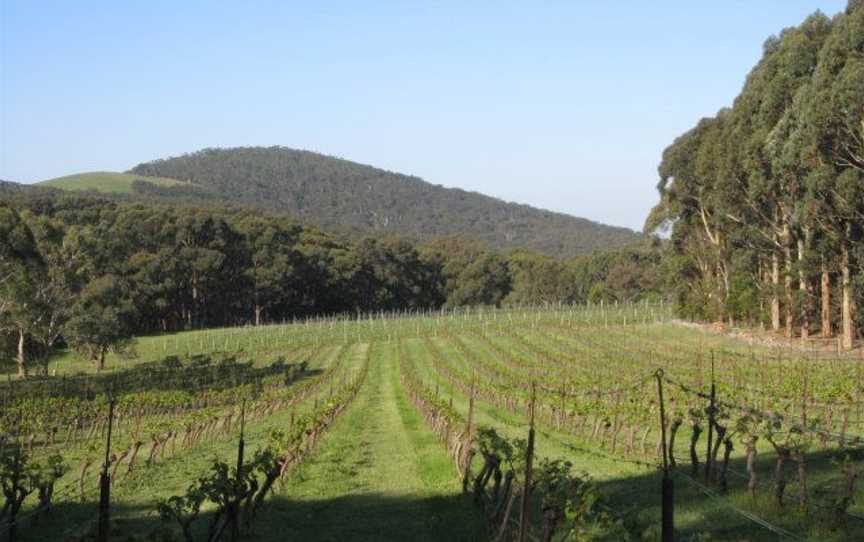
106 182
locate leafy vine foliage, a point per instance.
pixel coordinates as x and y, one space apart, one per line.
21 476
238 492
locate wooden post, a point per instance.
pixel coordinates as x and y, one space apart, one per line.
668 485
105 484
711 410
235 512
524 516
470 428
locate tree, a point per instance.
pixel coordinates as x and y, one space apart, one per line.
212 257
20 265
54 288
385 274
830 136
467 273
696 200
100 320
485 281
274 263
536 278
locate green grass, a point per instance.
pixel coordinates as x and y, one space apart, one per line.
633 490
380 474
105 181
260 345
134 500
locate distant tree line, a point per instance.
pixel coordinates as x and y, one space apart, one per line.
765 200
91 273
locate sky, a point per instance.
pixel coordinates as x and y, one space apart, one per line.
563 105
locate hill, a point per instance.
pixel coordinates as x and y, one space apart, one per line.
339 194
106 182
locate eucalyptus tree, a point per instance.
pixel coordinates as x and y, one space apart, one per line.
466 272
693 199
538 278
20 265
736 196
797 59
100 320
67 268
211 259
274 262
829 138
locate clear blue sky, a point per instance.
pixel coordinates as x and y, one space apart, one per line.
562 105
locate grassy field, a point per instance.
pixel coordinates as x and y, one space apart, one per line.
105 181
379 473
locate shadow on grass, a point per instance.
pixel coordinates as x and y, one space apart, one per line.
368 517
635 498
223 374
723 516
376 517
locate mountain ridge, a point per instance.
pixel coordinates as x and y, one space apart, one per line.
339 194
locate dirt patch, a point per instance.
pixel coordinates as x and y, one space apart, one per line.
762 337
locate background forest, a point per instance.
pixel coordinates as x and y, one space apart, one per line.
92 273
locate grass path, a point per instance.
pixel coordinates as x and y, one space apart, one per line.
379 474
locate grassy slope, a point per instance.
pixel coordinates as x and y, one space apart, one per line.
105 181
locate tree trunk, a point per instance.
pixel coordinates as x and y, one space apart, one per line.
100 360
193 311
676 424
694 457
722 292
775 299
787 282
20 360
848 334
258 309
780 475
751 465
804 291
803 500
827 331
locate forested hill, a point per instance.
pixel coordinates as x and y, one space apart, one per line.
339 194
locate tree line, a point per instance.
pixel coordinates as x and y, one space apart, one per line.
92 273
765 200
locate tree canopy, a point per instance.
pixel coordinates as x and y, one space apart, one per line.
93 273
764 200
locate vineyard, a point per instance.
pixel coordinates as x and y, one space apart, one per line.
506 424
